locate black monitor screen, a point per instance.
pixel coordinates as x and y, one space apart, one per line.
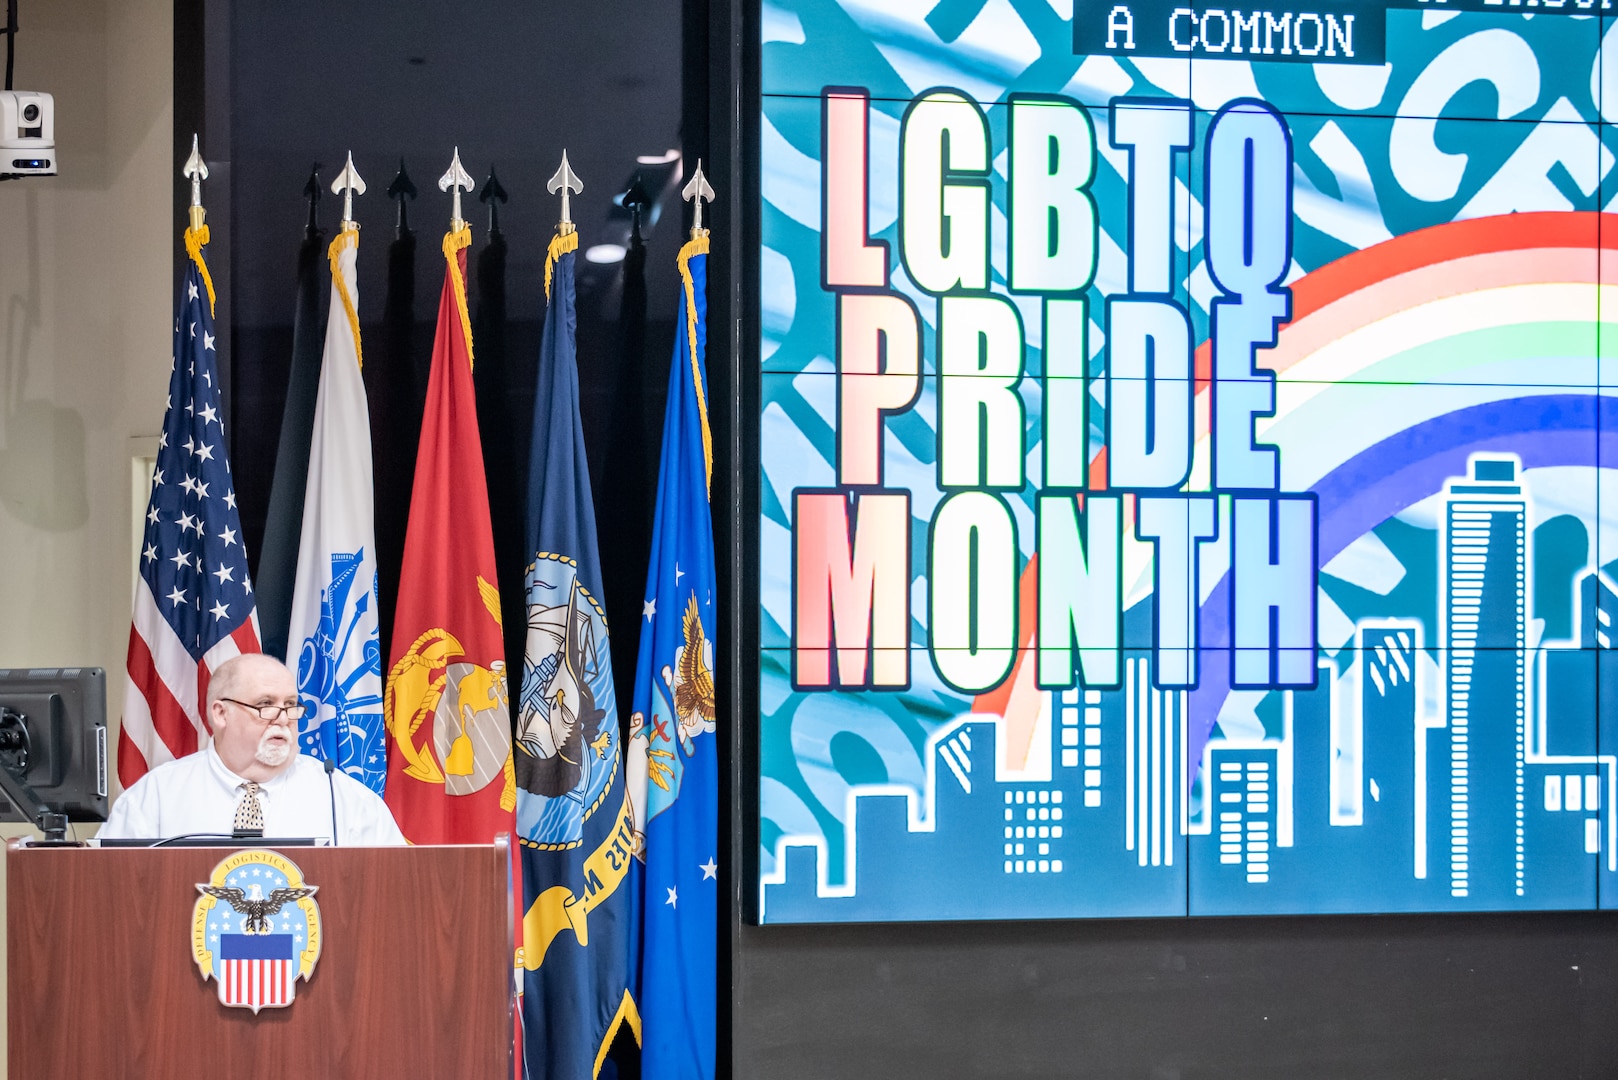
53 738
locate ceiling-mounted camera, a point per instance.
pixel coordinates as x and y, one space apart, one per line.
27 119
27 134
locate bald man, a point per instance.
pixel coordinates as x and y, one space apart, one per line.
251 775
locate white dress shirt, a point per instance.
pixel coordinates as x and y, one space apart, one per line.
198 794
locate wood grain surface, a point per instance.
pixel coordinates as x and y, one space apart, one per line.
414 977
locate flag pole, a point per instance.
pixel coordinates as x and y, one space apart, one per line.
348 184
697 191
197 170
455 181
567 183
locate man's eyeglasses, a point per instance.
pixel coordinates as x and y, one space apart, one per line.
270 713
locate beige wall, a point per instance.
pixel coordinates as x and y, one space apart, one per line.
85 316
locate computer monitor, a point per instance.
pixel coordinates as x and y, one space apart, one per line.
53 740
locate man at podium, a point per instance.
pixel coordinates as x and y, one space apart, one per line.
250 779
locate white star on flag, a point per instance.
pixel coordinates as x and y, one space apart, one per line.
649 608
710 869
673 900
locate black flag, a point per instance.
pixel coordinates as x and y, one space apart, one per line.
631 458
492 378
396 394
278 559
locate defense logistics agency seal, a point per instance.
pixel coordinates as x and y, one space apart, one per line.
256 930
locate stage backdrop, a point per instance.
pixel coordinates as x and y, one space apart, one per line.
1186 464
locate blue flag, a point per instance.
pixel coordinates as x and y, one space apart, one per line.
674 763
575 821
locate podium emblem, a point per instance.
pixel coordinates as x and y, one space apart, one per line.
255 930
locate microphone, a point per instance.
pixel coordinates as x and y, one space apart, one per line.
331 788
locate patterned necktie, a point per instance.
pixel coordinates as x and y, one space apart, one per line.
249 814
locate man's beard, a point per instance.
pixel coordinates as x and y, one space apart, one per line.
274 755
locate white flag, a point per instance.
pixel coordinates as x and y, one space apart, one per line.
332 641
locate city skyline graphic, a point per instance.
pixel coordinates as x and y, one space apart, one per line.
1451 766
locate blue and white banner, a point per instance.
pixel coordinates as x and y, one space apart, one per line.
333 637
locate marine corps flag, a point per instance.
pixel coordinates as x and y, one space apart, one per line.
673 756
449 734
574 818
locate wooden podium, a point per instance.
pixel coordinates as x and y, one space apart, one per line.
414 977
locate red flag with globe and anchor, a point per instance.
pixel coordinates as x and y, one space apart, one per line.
450 778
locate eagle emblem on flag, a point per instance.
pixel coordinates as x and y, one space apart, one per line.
255 930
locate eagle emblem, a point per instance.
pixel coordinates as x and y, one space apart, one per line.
255 929
259 910
690 677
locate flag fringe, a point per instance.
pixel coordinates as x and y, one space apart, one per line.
561 244
195 241
694 247
348 238
454 242
627 1013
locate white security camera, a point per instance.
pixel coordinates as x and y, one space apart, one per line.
27 134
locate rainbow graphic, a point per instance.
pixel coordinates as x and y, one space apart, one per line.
1401 360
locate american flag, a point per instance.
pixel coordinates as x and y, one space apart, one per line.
257 971
193 602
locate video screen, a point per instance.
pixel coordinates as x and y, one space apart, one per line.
1187 446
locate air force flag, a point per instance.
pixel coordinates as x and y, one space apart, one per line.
673 757
332 643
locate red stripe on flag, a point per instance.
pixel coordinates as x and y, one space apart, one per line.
203 677
246 637
168 718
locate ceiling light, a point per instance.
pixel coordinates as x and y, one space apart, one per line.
605 253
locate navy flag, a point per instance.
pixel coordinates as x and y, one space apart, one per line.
674 762
574 816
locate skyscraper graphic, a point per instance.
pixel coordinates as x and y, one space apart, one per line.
1457 764
1483 628
1154 766
1388 663
1598 608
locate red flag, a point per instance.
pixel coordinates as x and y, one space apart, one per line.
450 778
